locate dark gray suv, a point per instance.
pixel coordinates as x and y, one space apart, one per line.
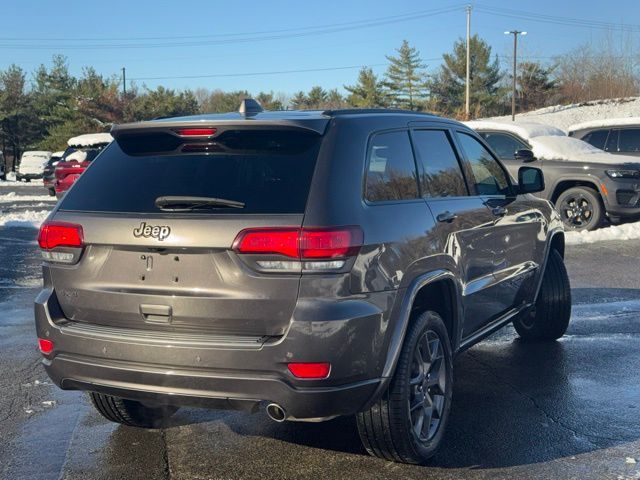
314 264
584 183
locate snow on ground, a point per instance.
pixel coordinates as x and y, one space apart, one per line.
628 231
27 218
564 116
12 197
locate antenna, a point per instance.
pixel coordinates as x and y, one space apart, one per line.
249 107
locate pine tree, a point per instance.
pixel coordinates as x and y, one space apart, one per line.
269 101
316 98
447 86
535 87
405 78
20 127
368 92
299 101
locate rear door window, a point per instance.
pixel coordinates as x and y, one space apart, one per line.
629 140
442 175
391 169
269 171
597 138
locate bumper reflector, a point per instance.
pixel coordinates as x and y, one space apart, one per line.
46 346
310 370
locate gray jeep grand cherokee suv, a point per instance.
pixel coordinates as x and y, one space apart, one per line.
314 264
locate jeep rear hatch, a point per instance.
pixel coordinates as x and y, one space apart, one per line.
159 213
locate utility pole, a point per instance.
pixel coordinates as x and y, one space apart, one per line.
124 82
467 87
515 34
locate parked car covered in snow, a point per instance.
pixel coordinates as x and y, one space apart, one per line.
620 136
77 157
585 183
48 175
32 165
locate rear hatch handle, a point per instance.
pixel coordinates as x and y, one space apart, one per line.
156 313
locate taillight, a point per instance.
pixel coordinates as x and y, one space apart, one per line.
315 249
310 371
196 132
45 346
338 243
60 234
268 241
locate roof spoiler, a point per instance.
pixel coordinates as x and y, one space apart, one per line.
249 107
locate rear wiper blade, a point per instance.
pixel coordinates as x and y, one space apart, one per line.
183 203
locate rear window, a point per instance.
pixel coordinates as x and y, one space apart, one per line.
629 140
268 171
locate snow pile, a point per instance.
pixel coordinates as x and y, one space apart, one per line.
90 140
550 143
78 156
27 218
525 130
628 231
564 116
569 148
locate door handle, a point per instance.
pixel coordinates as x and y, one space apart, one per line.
447 217
499 211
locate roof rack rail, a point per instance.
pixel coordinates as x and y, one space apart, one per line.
356 111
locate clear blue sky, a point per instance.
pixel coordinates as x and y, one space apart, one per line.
223 38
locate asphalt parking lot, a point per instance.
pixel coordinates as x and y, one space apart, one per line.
565 410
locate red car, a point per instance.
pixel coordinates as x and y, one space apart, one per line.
81 152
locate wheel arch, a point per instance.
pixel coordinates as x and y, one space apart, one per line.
565 184
555 241
419 294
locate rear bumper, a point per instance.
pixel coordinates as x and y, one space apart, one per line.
221 372
160 384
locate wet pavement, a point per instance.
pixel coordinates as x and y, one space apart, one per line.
564 410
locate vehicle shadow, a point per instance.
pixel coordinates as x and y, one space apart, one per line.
515 403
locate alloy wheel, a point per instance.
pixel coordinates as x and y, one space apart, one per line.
428 384
577 211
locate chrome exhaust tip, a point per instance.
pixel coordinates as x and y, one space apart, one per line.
276 412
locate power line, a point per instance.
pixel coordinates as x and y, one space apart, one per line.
556 20
399 17
249 38
245 74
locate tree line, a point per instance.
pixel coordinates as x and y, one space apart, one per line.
45 109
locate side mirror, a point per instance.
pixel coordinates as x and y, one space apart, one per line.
530 180
525 156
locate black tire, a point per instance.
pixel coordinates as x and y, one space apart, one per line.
130 412
28 180
52 192
580 209
549 318
389 428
